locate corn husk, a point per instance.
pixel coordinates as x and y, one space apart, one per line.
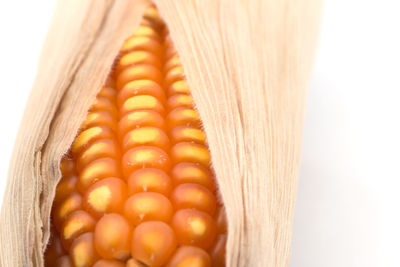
247 64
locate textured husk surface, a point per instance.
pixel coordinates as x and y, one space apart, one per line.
247 64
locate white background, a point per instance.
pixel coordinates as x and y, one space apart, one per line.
348 202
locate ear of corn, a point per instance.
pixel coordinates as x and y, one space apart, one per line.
136 187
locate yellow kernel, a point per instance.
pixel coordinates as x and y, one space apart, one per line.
190 152
138 72
137 57
153 243
108 92
146 136
183 117
145 157
180 100
140 87
178 87
173 62
173 75
193 196
104 104
140 118
187 172
188 256
95 118
97 170
136 43
71 203
104 148
111 237
82 252
141 102
146 31
77 223
148 206
187 134
105 196
194 227
88 136
149 180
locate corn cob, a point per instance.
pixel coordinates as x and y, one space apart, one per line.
136 187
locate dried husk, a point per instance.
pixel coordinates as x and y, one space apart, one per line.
247 64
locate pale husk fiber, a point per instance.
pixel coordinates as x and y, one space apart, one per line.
247 64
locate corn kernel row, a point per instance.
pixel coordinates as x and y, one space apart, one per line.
136 188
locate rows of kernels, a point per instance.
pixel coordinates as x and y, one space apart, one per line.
139 191
145 143
193 195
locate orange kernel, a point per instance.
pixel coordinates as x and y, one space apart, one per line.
190 152
187 172
105 196
146 136
188 256
111 237
149 180
148 206
145 157
153 243
97 170
193 196
82 252
77 223
194 227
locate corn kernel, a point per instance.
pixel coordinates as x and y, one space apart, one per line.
82 252
188 256
105 196
180 100
111 237
149 180
146 136
140 118
140 87
136 187
187 134
90 135
190 152
72 203
145 157
65 187
183 117
97 170
148 206
193 196
140 102
138 72
77 223
99 117
194 227
153 243
187 172
104 148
